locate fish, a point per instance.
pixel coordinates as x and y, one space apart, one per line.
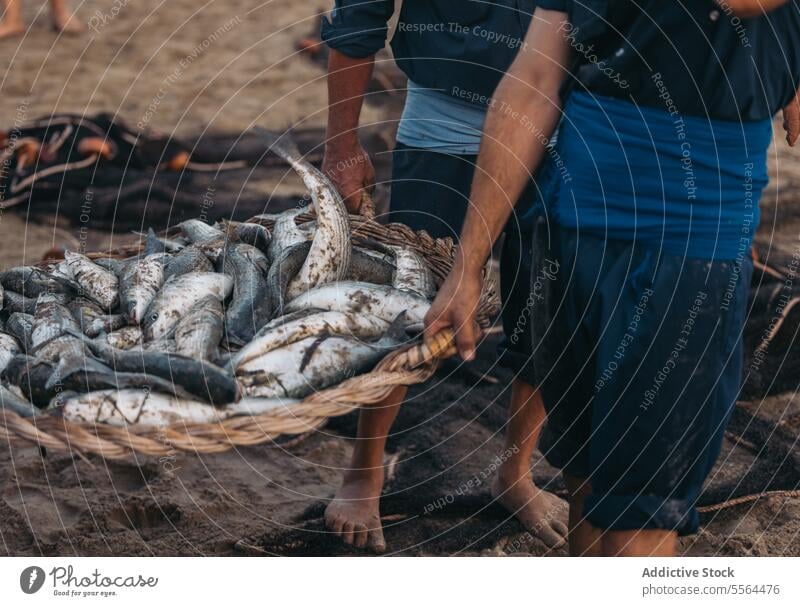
17 303
411 273
207 238
51 320
32 281
190 259
254 235
315 363
138 407
331 249
201 379
9 347
333 323
139 284
285 267
16 402
179 294
126 337
249 308
198 333
286 233
154 244
20 326
366 266
92 318
99 283
384 302
2 296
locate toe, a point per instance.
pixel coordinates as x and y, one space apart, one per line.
551 538
360 536
376 542
337 525
560 528
347 533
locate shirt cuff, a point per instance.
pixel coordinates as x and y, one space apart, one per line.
553 5
354 41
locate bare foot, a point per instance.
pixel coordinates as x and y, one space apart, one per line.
539 511
67 23
354 513
10 29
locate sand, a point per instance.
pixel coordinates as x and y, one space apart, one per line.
268 499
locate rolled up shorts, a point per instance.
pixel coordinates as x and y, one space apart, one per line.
642 356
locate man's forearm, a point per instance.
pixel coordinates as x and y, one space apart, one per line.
348 79
522 117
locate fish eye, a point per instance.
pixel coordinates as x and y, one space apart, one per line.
154 316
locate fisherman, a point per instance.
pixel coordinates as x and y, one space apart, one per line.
454 54
13 24
665 112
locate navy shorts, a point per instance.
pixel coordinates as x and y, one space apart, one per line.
430 191
643 357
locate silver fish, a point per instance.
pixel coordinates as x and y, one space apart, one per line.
198 333
334 323
20 326
138 407
384 302
92 318
286 233
141 281
51 320
9 347
208 238
255 235
16 402
315 363
99 283
188 260
249 308
32 281
127 337
329 258
412 274
179 294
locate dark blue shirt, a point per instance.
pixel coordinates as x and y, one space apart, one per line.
461 47
689 56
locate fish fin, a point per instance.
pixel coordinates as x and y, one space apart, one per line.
152 244
278 143
309 353
397 329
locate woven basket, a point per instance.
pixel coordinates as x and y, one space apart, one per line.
406 366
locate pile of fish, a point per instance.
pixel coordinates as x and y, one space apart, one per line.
221 320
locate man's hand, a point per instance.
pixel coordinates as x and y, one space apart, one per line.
455 307
791 120
351 171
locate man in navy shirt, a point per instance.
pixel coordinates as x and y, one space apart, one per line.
665 112
454 53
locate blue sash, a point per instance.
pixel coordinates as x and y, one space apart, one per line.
686 185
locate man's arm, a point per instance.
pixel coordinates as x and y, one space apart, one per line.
523 116
356 31
345 162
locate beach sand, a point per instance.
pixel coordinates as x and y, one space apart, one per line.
267 499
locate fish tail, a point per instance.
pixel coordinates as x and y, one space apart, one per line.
281 144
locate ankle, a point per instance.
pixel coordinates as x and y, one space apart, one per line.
372 476
510 475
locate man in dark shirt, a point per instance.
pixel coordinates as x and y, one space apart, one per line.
665 111
454 53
